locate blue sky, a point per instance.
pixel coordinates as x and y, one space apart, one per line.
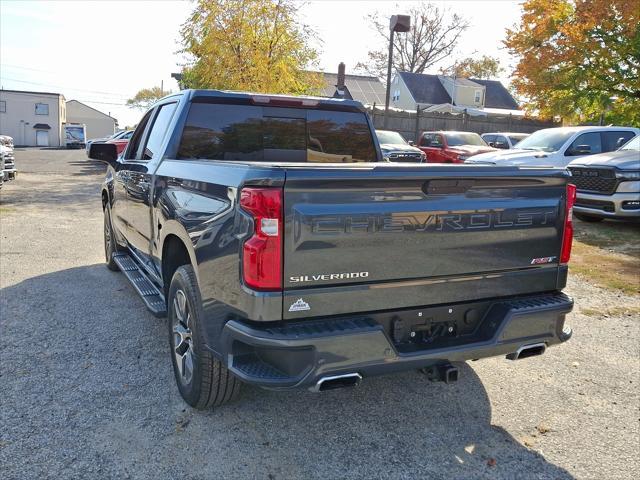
102 52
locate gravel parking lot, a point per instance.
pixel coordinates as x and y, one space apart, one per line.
87 389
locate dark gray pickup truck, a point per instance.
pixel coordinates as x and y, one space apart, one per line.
286 253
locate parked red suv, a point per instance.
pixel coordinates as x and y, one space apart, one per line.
452 147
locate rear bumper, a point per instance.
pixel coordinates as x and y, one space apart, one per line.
298 354
617 205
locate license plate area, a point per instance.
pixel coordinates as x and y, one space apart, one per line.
437 327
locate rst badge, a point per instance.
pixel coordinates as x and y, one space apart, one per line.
541 260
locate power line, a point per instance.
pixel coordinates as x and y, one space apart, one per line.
49 85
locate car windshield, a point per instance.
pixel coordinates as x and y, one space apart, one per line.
385 136
464 138
515 139
633 144
549 140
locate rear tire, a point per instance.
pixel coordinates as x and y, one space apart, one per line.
110 244
587 218
202 379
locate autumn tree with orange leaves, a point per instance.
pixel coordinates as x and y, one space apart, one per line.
579 59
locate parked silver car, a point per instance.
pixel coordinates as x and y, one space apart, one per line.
608 185
503 140
395 148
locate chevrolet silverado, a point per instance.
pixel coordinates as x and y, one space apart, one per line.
287 254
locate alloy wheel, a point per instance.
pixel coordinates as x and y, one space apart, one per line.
182 337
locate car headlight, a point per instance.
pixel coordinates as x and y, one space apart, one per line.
628 175
629 187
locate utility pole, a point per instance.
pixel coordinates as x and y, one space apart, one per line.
397 23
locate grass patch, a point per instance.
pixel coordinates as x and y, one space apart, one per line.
615 271
622 237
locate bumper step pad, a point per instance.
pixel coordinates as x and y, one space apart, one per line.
151 296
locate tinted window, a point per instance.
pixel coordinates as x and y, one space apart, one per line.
455 139
591 139
136 138
489 138
613 140
339 137
515 139
159 130
252 133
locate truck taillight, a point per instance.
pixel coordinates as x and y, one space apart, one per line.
567 235
262 253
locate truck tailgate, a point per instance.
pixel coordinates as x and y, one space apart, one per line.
387 236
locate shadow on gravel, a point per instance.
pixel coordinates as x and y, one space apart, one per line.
88 390
69 194
89 167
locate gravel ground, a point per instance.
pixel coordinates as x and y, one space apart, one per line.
87 389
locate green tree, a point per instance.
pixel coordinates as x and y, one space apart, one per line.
254 45
434 35
475 67
146 97
579 59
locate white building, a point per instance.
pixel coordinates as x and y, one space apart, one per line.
99 125
32 118
448 94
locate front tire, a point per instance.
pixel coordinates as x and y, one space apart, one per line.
110 245
202 379
587 218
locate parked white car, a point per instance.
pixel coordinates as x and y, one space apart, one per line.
504 140
608 185
557 147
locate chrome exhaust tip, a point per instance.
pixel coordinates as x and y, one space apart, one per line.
337 381
526 351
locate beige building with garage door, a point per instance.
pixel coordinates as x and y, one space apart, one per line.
99 125
32 118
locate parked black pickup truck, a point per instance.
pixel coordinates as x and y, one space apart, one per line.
286 252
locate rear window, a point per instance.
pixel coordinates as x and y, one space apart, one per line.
255 133
614 140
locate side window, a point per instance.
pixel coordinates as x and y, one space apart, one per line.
489 138
501 142
136 138
438 141
42 109
585 144
158 130
425 140
613 140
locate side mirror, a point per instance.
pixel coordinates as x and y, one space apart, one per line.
492 144
581 150
105 152
411 142
500 145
